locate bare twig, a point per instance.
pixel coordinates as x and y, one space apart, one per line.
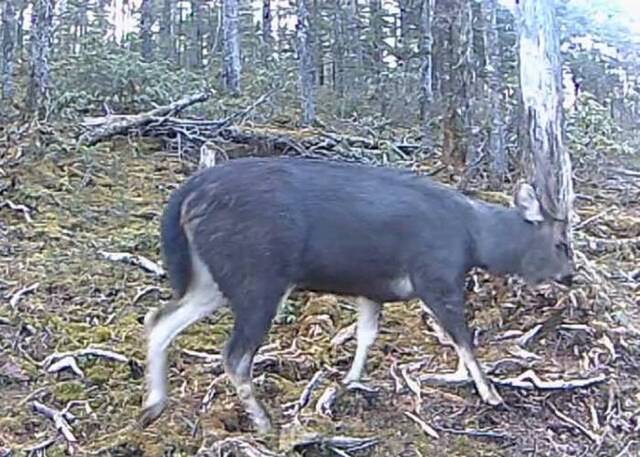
566 419
26 212
426 428
346 443
60 420
325 403
66 362
472 432
13 301
529 380
343 335
143 292
50 359
40 448
305 396
134 259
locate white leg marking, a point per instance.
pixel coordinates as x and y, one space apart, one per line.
368 316
202 298
254 408
487 391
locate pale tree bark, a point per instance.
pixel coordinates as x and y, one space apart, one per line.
231 43
305 56
495 147
38 89
167 30
8 49
458 77
548 160
146 22
426 68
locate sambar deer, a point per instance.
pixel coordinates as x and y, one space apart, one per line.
247 232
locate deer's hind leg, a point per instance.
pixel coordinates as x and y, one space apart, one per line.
162 325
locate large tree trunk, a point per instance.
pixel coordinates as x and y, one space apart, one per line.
549 164
41 40
231 41
8 47
146 22
305 56
457 67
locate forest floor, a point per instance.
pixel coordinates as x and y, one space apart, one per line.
59 293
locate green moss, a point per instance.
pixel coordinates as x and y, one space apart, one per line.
99 374
67 391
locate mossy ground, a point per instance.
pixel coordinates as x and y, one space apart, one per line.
110 199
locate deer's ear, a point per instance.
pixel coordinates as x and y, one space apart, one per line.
528 204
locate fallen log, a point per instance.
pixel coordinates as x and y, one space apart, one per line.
107 126
190 136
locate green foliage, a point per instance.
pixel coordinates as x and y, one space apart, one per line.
591 130
105 73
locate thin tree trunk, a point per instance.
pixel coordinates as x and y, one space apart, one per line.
307 95
195 36
8 47
496 147
146 22
549 163
267 20
167 30
338 49
38 90
458 75
231 39
426 43
20 29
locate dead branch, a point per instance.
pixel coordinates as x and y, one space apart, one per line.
527 380
60 420
26 212
326 401
567 420
107 126
346 443
134 259
13 301
305 396
472 432
66 362
40 448
52 358
426 428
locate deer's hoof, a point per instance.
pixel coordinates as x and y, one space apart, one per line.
492 397
150 414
